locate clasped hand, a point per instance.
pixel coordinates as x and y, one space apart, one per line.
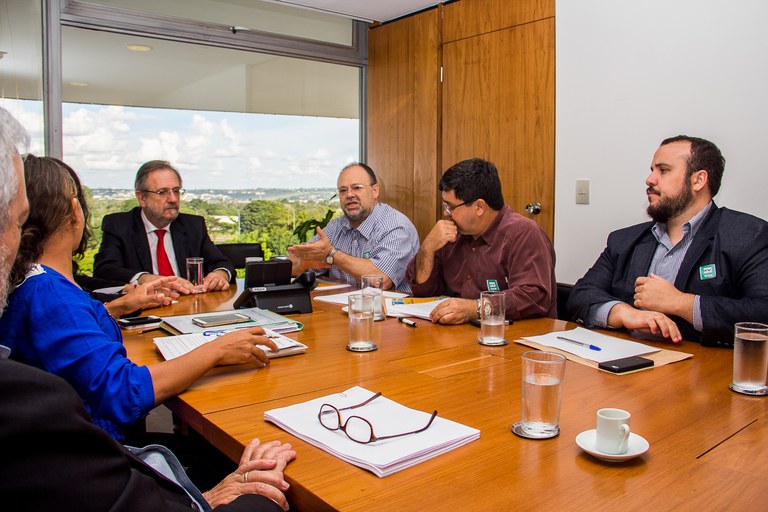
260 472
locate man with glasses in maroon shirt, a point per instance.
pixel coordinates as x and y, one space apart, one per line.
482 245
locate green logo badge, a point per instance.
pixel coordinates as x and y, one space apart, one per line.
367 254
492 285
707 272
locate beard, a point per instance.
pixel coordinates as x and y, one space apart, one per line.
670 207
359 216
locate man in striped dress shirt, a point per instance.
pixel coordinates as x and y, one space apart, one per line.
371 237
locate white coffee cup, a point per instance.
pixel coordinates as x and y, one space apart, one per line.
612 431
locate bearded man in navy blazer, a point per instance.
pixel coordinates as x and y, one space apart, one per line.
154 239
694 271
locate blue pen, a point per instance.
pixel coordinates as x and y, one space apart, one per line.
580 343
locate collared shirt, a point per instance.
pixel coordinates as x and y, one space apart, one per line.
386 237
152 238
666 263
513 255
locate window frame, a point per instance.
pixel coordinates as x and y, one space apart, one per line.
84 15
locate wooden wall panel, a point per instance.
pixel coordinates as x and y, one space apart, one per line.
403 86
498 103
467 18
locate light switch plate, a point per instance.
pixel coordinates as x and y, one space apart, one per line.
582 191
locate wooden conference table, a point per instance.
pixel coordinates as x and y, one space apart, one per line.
708 445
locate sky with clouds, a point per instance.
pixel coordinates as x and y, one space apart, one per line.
220 150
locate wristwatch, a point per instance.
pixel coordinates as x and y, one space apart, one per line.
479 308
329 258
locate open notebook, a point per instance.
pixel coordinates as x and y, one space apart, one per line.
174 346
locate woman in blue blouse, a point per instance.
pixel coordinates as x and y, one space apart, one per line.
52 324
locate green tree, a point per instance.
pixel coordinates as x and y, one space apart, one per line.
258 215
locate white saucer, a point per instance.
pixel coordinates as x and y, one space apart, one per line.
637 446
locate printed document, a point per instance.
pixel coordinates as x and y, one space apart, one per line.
183 324
610 347
388 417
172 347
341 298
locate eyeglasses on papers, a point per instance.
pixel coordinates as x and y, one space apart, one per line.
165 192
358 428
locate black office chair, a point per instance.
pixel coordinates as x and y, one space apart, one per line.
236 253
563 292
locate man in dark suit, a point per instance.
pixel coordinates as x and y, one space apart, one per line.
691 273
155 240
56 458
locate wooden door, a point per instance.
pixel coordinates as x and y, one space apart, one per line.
498 103
403 86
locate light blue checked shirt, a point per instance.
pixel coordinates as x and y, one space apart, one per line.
387 237
665 263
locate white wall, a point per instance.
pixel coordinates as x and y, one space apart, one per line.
631 73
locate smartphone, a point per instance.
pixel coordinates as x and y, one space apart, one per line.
626 364
225 319
137 322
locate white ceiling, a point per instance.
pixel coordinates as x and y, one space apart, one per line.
180 75
365 10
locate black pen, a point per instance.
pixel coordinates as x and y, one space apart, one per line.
408 322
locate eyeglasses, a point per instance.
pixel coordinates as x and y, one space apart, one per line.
356 189
448 209
356 428
165 192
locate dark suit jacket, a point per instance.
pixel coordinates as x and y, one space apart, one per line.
54 458
124 250
735 243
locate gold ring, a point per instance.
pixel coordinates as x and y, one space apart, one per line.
245 477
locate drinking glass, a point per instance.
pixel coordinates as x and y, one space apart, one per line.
542 387
750 358
360 310
195 272
373 285
492 316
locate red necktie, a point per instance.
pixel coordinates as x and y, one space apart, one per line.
164 267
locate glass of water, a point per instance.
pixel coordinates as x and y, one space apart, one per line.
542 388
373 285
195 272
492 316
750 358
360 310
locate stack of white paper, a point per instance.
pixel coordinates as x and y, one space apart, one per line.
420 307
383 457
341 298
592 345
183 324
172 347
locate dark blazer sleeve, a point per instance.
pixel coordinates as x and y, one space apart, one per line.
124 250
190 239
736 244
626 256
54 458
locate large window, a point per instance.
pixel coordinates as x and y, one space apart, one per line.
259 126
